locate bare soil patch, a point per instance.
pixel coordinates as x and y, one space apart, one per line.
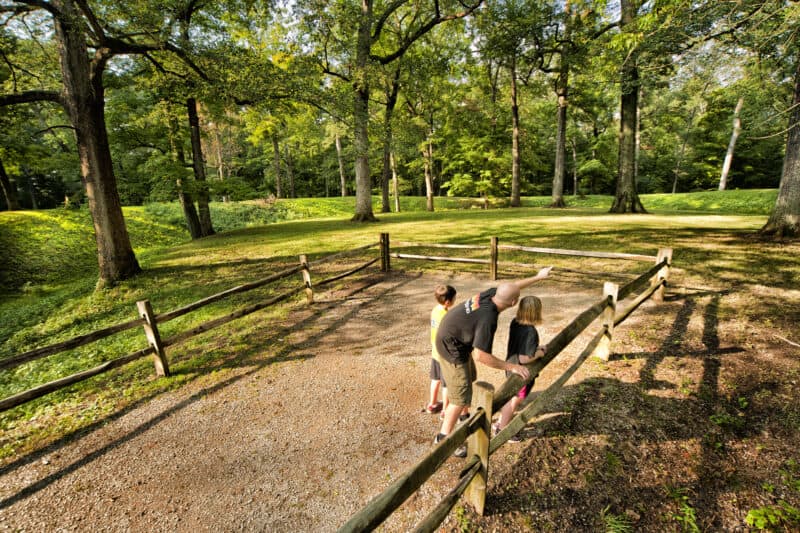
695 413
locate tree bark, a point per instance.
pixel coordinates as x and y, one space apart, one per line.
9 190
428 155
559 175
198 164
187 204
342 175
785 218
363 211
737 129
276 162
515 186
627 199
289 170
386 176
395 187
84 102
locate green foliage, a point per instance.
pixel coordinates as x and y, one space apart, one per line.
686 515
613 523
780 517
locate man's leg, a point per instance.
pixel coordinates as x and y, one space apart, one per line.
451 415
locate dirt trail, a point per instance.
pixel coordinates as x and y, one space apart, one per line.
295 441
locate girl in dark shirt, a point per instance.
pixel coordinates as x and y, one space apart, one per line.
523 348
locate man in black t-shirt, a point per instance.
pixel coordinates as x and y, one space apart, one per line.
467 331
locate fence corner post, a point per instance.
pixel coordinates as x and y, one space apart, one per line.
478 444
493 259
663 274
153 338
603 349
307 278
385 265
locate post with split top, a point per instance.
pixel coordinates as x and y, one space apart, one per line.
153 338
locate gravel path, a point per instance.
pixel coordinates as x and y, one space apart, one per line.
297 441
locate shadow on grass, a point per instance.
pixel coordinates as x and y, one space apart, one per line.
286 353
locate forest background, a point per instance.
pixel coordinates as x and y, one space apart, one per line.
107 105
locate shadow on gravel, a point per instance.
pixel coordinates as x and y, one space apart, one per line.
286 353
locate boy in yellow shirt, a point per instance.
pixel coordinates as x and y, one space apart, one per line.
445 297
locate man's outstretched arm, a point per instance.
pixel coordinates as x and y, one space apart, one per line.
527 282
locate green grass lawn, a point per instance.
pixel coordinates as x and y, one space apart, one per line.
53 252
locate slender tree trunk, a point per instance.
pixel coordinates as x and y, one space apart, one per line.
198 164
276 162
9 189
574 167
515 186
737 129
627 199
395 186
187 205
289 169
559 175
342 175
391 102
429 170
785 218
363 211
84 99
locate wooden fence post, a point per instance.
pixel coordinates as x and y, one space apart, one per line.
603 349
663 274
153 338
478 444
307 278
385 265
493 259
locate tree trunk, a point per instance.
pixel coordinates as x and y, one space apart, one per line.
84 92
395 186
199 167
276 162
626 198
187 204
342 175
559 175
361 116
428 155
574 167
9 190
737 129
289 170
785 218
386 175
515 188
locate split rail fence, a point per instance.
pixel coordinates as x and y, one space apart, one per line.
476 431
150 322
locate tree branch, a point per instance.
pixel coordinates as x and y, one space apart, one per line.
425 28
30 96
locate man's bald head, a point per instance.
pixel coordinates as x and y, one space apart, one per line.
506 296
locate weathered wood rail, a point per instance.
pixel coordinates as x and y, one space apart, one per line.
476 431
149 322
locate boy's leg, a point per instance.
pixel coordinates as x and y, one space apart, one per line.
434 392
451 415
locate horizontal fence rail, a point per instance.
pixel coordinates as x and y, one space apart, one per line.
74 342
150 321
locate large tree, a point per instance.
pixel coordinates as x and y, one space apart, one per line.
77 29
